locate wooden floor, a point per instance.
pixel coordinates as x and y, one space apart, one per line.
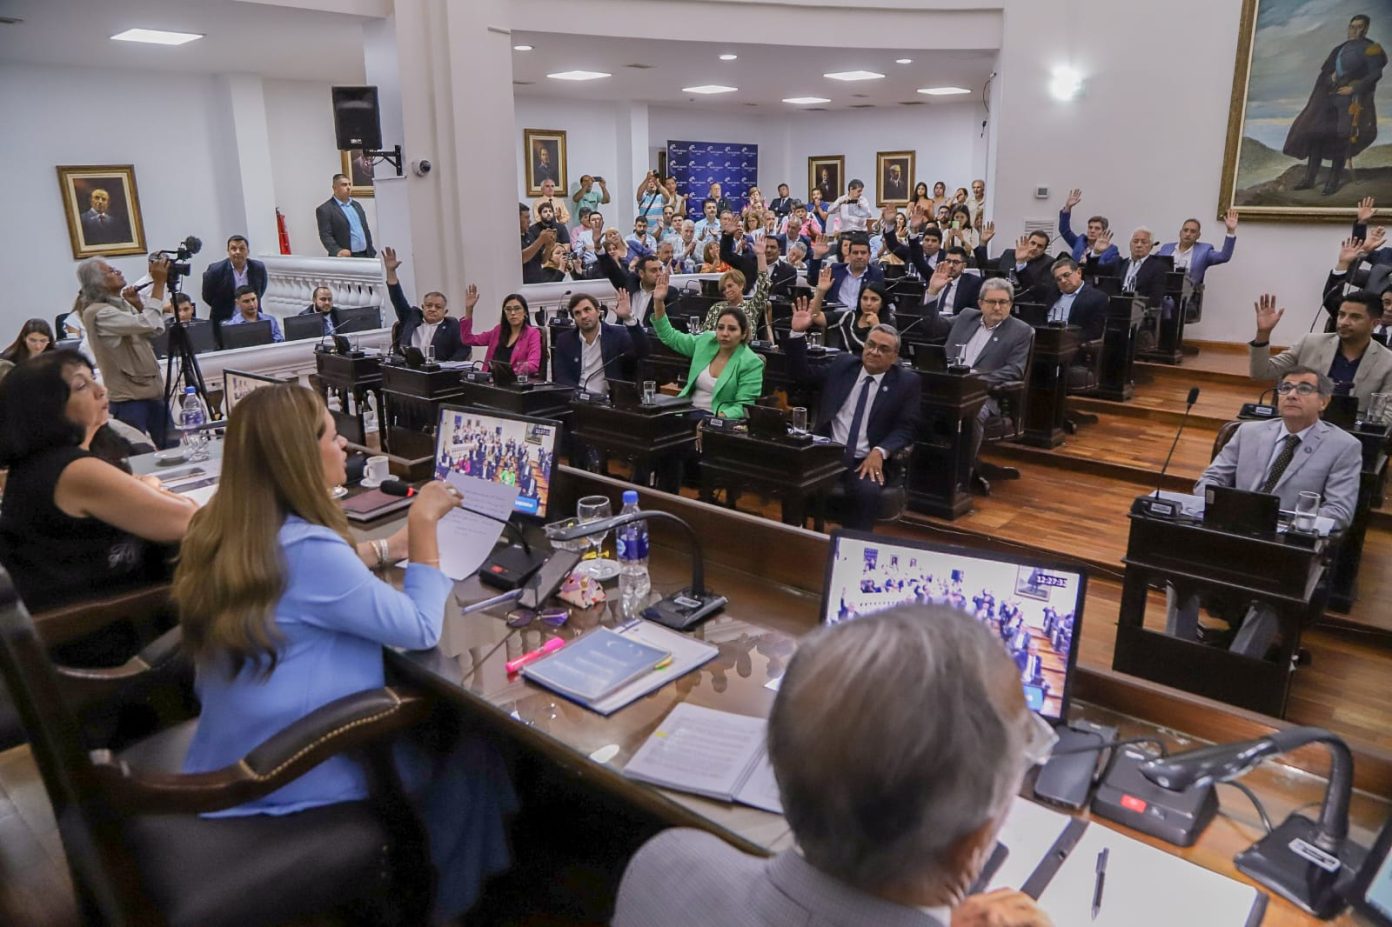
1071 501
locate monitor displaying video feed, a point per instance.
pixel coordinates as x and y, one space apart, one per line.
1036 607
508 449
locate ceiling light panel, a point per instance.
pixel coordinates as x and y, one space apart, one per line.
854 75
156 37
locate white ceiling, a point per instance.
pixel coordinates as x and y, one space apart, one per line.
764 74
240 37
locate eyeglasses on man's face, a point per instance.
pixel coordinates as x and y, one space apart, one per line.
1001 301
1300 389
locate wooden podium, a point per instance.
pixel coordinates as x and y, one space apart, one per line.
413 400
1275 572
795 471
353 380
940 473
1116 380
1046 400
1169 328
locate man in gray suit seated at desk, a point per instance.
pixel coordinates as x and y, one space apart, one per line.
894 809
1297 453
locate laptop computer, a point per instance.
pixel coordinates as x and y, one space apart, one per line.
504 375
1240 511
931 358
1034 605
767 422
625 394
1036 314
1341 411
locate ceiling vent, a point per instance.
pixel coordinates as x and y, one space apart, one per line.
640 67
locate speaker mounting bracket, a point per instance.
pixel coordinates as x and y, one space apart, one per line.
391 156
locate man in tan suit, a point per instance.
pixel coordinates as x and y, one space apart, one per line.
1349 356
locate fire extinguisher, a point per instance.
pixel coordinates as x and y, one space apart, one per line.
283 232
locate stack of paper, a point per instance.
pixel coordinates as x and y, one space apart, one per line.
712 753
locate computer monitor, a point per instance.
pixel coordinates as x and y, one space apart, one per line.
500 448
237 383
247 334
1035 606
201 335
359 319
300 327
1371 891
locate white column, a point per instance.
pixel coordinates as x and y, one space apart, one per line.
393 208
251 155
631 120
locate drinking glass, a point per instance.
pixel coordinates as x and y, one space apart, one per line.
430 353
523 379
595 564
1306 508
799 420
649 391
693 325
814 340
1379 409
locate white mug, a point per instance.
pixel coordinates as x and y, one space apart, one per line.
376 471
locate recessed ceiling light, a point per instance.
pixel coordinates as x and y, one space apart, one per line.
709 88
803 101
521 48
903 61
942 91
578 75
728 57
156 37
854 75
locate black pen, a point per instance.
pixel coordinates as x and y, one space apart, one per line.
1101 881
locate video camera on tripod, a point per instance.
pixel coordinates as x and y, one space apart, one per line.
182 364
179 265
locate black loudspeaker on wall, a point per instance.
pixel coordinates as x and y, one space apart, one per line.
357 123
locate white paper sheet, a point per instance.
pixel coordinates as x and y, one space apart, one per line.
760 790
700 750
1028 833
465 538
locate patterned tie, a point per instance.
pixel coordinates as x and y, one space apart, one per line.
853 436
1279 465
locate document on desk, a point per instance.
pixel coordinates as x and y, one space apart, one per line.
1145 887
467 538
1029 833
687 652
713 753
595 665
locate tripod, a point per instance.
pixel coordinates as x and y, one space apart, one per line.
180 349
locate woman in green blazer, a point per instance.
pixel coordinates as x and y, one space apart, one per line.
726 375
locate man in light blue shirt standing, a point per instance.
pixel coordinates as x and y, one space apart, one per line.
342 223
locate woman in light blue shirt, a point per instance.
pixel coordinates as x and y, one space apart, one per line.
282 616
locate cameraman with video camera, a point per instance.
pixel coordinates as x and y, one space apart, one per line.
119 327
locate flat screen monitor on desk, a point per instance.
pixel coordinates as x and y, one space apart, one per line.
1371 892
509 449
1036 606
300 327
359 319
236 384
247 334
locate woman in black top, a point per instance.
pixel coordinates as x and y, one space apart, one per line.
34 338
72 525
852 328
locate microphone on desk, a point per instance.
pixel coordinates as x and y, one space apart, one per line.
1152 504
584 385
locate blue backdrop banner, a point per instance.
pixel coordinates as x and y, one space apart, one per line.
697 165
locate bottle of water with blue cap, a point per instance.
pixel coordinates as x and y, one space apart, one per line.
632 549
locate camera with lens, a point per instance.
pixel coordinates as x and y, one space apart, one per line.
179 265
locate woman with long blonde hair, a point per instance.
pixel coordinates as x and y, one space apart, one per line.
282 616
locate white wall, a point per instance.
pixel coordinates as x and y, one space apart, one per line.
591 148
304 158
89 116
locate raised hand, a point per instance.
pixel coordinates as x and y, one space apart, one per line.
1004 907
802 314
1349 251
390 259
1365 209
1267 315
940 279
1230 219
1104 241
824 279
1022 246
471 298
622 307
1375 239
820 246
988 231
1075 196
547 238
664 280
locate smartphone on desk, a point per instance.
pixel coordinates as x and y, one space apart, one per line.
548 579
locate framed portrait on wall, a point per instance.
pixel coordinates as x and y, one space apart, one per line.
1303 142
102 207
828 174
358 170
894 175
546 158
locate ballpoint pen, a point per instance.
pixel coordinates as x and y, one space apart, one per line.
1100 882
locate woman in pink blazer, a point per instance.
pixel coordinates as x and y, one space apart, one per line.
514 339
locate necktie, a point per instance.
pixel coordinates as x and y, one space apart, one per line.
1279 465
853 436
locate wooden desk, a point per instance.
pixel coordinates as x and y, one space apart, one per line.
413 399
1284 576
650 437
1116 380
796 472
539 400
1046 401
766 570
942 459
1169 320
354 379
1343 576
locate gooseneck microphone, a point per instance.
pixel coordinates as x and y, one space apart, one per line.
1188 406
1152 504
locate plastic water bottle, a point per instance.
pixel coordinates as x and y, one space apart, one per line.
192 417
632 548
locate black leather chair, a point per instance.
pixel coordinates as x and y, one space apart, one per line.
1010 396
138 849
1084 374
894 495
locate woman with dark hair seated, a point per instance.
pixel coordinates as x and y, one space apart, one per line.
73 525
282 616
852 328
514 340
35 337
726 375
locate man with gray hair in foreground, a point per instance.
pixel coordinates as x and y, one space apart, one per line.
898 741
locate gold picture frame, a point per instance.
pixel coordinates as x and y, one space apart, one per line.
358 170
102 206
894 177
546 158
1271 122
832 183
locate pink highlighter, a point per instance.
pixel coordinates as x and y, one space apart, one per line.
545 650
